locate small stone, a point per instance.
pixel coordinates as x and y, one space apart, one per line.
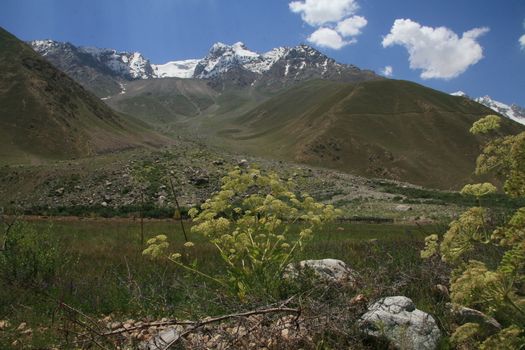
327 270
27 331
21 326
116 325
441 292
284 333
4 324
243 163
403 207
104 204
359 299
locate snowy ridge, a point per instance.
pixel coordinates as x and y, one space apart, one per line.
132 64
221 58
513 111
280 64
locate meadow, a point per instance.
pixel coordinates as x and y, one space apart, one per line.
98 268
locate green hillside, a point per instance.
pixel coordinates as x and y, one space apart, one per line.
45 114
386 128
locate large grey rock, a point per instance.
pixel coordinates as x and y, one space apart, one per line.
328 270
397 319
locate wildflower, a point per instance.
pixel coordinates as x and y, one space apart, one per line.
189 244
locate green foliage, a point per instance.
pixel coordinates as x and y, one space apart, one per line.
248 221
506 157
475 283
509 338
486 124
31 257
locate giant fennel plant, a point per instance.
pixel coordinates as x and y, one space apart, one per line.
257 222
496 289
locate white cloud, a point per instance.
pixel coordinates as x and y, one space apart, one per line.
387 71
334 19
522 42
439 52
319 12
351 26
327 37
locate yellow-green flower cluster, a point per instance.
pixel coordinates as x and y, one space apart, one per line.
157 246
249 220
479 190
463 232
486 124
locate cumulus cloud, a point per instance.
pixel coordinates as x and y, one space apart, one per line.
387 71
336 24
351 26
327 37
522 42
319 12
439 52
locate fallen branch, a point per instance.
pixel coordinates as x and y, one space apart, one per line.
201 323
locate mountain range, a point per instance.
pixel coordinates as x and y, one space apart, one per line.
104 70
513 111
292 104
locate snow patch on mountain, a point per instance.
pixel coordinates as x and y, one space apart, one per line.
459 93
175 69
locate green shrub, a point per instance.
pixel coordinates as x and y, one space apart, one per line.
476 282
31 257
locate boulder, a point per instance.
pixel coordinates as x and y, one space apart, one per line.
397 320
328 270
464 315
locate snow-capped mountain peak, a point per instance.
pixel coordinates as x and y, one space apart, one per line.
235 63
513 112
132 64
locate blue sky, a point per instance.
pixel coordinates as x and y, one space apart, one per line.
487 60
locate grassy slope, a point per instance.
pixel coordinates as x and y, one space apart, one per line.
384 129
45 114
160 101
393 129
